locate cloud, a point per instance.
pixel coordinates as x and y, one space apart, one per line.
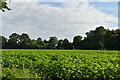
64 0
44 20
24 0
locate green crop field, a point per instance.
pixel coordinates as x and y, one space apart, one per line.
61 64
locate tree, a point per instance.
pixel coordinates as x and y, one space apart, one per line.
39 40
112 39
0 42
76 41
99 35
25 41
95 39
41 43
99 38
45 41
52 42
66 44
33 44
3 42
60 43
3 5
13 40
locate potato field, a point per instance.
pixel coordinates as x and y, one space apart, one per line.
60 64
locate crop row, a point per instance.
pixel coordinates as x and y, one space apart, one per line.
60 64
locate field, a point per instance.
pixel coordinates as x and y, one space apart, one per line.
61 64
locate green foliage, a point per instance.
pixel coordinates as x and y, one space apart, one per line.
59 46
112 39
101 38
98 39
76 41
52 42
61 64
66 44
40 43
3 41
3 5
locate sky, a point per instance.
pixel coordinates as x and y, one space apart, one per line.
60 19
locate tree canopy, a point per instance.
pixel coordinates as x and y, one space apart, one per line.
97 39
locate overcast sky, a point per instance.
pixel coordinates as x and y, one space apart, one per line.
60 19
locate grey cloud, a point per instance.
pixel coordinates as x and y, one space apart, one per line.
42 20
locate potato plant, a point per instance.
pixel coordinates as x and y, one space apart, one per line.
61 64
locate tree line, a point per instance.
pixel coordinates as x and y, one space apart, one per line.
97 39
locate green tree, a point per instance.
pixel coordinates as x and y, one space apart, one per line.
112 39
45 41
95 39
33 44
41 43
53 42
13 40
39 40
60 43
25 41
76 41
3 5
3 42
0 42
99 36
66 44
